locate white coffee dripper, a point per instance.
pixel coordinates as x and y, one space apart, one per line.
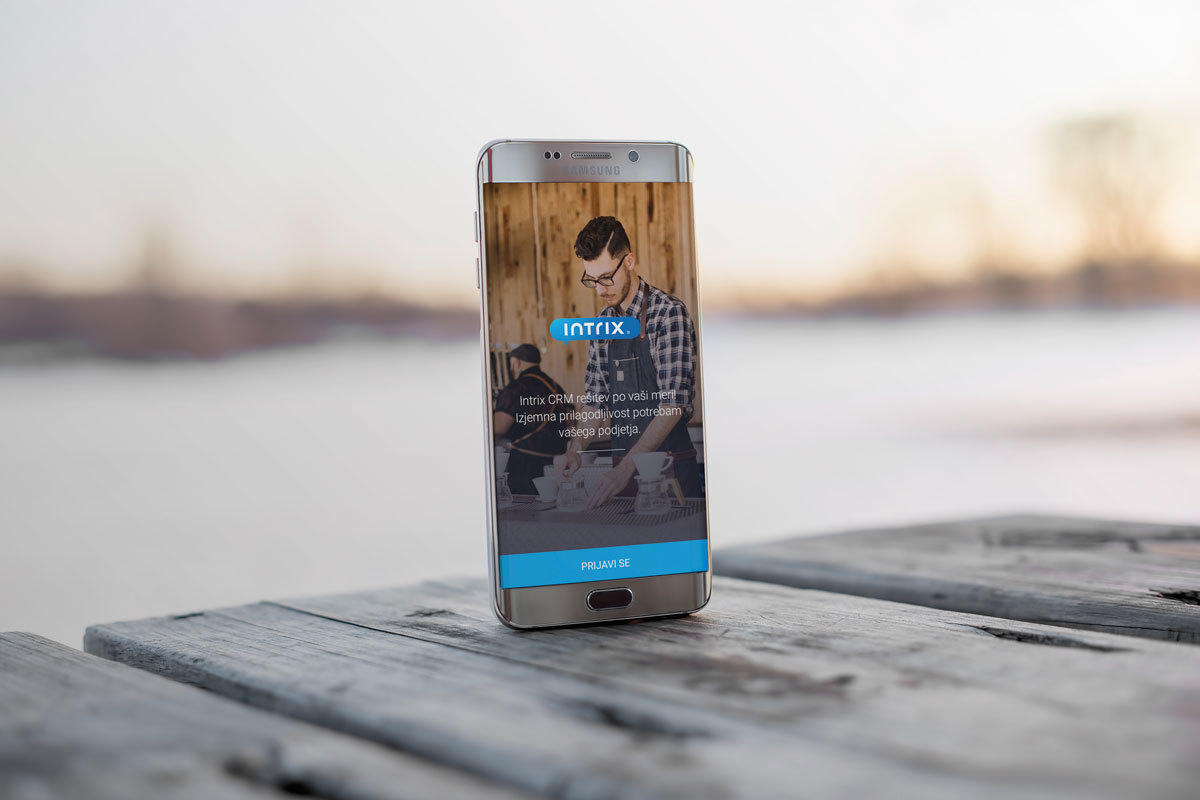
652 465
652 482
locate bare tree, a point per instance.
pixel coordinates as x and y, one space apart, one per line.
1113 169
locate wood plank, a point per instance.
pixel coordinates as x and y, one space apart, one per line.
73 725
770 691
1130 578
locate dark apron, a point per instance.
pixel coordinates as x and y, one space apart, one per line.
630 371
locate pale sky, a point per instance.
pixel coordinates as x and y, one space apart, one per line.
270 139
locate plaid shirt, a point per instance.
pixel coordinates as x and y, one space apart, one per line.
672 346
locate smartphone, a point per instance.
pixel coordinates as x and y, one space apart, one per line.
596 488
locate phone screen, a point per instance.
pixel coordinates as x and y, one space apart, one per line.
594 362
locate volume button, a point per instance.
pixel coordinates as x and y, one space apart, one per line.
476 227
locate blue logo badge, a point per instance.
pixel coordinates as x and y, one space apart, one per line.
570 330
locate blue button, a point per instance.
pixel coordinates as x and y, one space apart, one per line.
603 563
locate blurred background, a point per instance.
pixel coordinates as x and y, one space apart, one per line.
950 265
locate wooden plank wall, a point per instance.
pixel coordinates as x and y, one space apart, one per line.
534 274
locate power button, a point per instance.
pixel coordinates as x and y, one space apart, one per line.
478 274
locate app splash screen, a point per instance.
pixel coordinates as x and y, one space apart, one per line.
595 388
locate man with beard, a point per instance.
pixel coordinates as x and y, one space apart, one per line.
658 367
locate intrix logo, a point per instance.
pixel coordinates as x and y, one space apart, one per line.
570 330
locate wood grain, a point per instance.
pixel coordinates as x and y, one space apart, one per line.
769 692
1130 578
76 726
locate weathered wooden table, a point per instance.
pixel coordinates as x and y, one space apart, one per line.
772 691
1122 577
76 726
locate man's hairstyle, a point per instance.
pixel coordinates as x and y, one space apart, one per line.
602 233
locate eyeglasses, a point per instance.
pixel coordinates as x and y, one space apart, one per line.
603 280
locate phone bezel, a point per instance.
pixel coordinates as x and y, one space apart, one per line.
523 161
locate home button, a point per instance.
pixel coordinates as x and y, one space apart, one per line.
605 599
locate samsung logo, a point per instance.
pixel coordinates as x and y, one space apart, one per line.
593 169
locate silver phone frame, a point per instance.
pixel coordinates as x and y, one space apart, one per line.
523 161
